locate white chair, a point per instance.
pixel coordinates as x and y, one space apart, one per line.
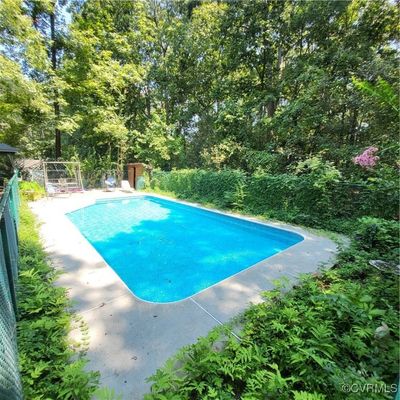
126 187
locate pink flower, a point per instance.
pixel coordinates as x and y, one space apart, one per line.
367 159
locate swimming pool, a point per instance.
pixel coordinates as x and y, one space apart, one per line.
166 251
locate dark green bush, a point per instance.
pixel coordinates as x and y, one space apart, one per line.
318 198
284 194
220 187
379 236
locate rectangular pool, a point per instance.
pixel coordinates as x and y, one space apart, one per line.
166 251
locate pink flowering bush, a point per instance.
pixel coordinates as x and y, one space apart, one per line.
367 159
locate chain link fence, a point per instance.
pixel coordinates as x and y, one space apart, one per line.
10 383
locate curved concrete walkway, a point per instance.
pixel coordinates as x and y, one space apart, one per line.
130 338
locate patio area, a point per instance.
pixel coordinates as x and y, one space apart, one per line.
131 338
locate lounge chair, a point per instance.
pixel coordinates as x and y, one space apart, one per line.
126 187
51 189
110 183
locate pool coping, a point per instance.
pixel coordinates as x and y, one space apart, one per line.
287 228
114 315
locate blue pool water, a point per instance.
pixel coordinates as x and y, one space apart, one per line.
166 251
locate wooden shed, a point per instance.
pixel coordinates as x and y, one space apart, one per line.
135 174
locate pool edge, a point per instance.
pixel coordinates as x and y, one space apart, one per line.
304 235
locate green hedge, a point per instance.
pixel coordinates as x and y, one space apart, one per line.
203 185
304 199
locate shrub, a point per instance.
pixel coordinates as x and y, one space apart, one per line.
31 190
221 188
379 236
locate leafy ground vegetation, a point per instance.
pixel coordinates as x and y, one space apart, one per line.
51 367
329 337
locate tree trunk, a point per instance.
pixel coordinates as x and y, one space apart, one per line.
56 106
271 108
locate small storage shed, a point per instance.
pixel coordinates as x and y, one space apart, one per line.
7 149
136 175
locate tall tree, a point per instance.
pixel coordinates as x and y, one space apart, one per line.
50 23
53 52
260 84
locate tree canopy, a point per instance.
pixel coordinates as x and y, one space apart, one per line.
247 85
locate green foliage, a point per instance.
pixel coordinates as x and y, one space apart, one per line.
51 367
23 107
106 394
305 343
379 236
31 190
25 112
220 154
223 188
286 91
17 32
382 92
202 84
315 195
321 172
307 396
158 143
236 199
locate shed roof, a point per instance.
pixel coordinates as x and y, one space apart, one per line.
5 148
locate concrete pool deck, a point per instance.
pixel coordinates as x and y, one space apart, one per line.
131 338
